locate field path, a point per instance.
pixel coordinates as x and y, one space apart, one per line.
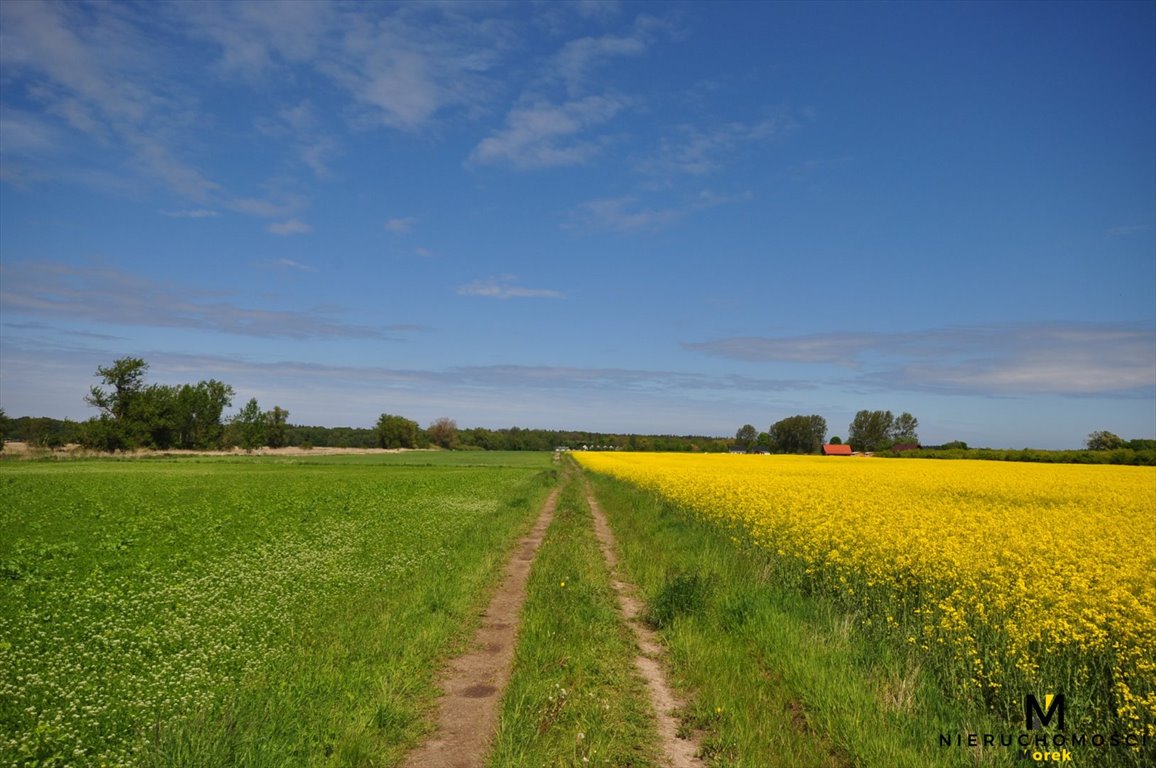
679 752
472 689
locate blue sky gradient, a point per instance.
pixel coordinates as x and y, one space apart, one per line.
652 217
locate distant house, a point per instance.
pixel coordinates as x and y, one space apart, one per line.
900 447
836 450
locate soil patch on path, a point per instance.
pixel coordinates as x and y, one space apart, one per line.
473 685
679 752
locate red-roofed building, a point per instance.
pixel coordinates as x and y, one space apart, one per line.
836 450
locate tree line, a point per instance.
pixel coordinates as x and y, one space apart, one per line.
883 432
869 431
134 414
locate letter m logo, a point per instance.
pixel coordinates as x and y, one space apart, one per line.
1035 717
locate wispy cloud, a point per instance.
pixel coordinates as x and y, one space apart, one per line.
401 225
106 295
406 68
277 204
629 214
294 265
845 349
300 127
192 213
290 227
1066 359
697 151
1128 229
546 135
598 10
95 71
254 38
557 118
621 214
505 287
578 59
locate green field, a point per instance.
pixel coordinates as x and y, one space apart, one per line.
207 611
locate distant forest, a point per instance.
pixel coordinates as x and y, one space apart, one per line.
47 432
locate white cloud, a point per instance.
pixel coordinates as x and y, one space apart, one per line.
291 264
621 214
254 36
697 151
578 58
290 227
1065 359
403 69
401 225
192 213
61 292
276 205
1127 230
98 72
598 10
545 135
504 287
626 214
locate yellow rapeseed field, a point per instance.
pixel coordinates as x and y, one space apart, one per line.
1007 576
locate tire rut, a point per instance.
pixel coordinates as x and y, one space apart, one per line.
679 752
473 686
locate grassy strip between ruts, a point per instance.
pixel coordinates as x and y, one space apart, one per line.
575 698
772 678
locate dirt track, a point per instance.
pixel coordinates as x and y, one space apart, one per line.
679 752
472 689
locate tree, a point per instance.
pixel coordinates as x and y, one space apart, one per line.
153 419
126 377
443 433
904 429
276 435
746 437
798 434
3 428
116 428
836 440
1104 441
157 415
250 423
870 430
879 430
396 431
199 409
763 442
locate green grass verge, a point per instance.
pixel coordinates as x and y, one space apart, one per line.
575 698
774 678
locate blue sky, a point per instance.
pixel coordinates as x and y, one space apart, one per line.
653 217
